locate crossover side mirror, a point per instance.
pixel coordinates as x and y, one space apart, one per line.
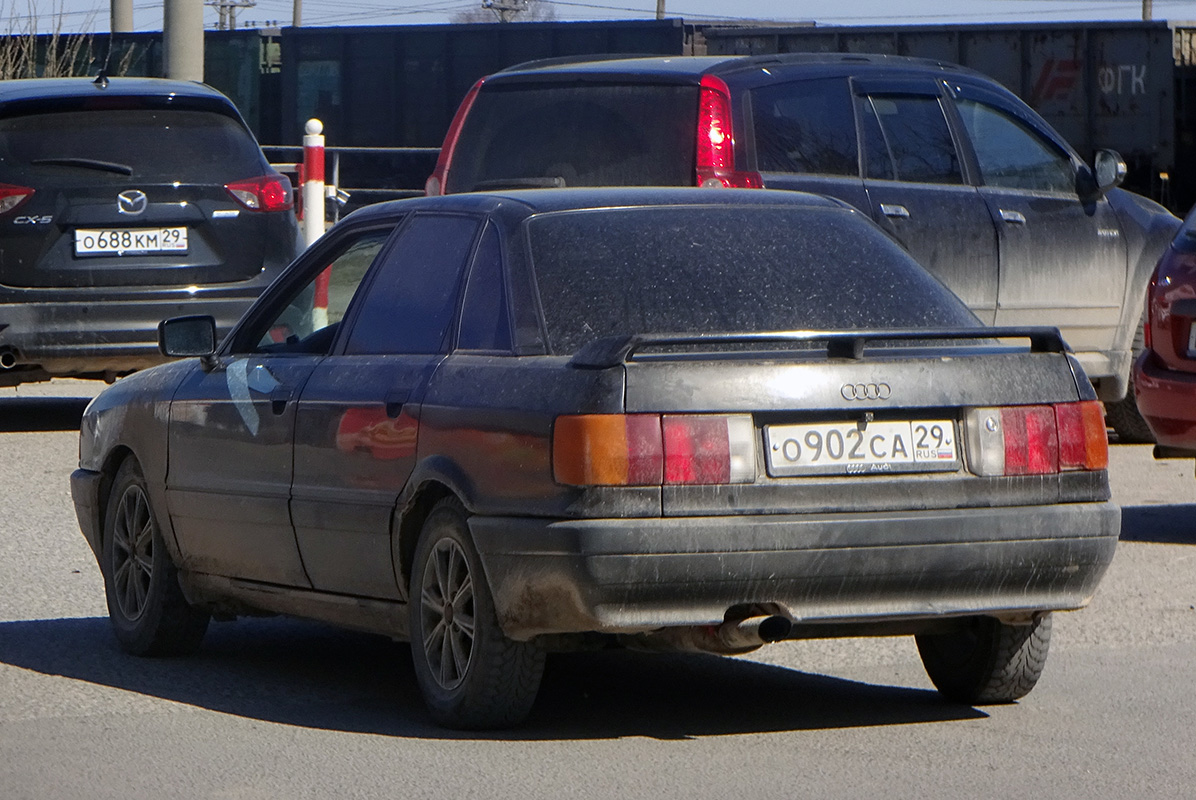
1109 168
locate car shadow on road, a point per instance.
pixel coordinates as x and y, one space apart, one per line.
299 673
1174 523
20 414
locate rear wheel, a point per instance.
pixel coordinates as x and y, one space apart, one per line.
147 609
1123 415
989 661
471 675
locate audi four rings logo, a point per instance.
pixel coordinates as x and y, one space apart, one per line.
132 201
866 391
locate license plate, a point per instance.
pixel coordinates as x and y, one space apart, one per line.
129 241
848 448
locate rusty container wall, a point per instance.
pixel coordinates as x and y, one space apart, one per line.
1099 84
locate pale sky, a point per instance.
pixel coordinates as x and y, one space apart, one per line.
93 15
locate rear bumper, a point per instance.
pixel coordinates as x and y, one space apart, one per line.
1167 401
638 575
100 332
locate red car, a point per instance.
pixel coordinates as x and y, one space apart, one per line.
1165 373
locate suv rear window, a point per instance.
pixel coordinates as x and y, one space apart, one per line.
157 144
726 269
584 135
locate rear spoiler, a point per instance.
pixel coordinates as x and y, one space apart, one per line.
612 351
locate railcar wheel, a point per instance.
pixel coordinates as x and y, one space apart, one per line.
472 677
149 614
989 662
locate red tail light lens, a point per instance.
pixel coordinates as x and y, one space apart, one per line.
649 450
437 182
265 193
1031 440
13 197
716 140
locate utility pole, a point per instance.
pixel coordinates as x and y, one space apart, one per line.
297 14
226 11
122 16
505 9
660 9
182 39
1147 10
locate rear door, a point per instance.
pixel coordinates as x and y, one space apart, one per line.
1062 258
919 191
358 417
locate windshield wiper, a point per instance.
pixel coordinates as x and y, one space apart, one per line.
86 163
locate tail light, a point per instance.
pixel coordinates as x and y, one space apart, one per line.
653 450
1037 440
13 197
438 180
716 140
266 193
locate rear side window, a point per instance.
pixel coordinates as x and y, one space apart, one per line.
410 304
907 139
155 144
726 269
805 126
577 135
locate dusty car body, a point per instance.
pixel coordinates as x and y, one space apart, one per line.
124 201
525 421
975 184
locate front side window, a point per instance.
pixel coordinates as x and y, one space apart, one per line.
907 139
1013 155
805 126
309 321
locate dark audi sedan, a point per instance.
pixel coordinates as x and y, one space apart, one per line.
677 419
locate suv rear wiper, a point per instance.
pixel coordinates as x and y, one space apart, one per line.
86 163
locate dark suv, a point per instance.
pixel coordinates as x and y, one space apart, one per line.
124 202
977 186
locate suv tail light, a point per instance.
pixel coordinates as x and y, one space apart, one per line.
13 197
437 181
716 140
653 450
265 193
1037 440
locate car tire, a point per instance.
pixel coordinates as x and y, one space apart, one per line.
146 606
1123 415
472 676
989 662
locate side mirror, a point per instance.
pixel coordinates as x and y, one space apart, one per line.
186 337
1109 169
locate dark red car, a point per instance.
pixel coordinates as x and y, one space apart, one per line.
1165 373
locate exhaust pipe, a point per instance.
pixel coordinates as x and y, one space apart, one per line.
754 631
8 358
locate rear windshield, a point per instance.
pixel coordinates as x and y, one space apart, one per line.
726 269
156 144
571 135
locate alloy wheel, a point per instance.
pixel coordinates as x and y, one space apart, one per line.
133 552
447 613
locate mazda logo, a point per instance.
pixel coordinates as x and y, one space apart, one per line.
132 201
866 391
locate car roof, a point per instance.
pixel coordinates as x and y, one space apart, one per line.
692 68
538 201
44 88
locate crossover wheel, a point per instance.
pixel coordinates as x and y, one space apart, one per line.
471 675
1123 415
989 662
147 609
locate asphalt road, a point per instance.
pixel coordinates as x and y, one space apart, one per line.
275 708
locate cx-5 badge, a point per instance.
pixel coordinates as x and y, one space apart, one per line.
866 391
131 201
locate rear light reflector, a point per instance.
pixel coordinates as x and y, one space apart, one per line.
13 197
650 450
716 140
1036 440
265 193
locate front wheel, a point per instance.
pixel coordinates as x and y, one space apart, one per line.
471 675
149 614
989 661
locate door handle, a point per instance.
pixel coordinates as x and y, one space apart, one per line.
279 399
894 210
395 399
1013 217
